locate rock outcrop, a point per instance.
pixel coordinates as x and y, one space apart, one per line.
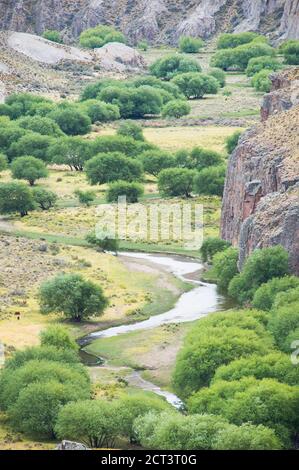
261 196
157 21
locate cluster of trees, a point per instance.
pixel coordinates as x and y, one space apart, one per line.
290 50
93 38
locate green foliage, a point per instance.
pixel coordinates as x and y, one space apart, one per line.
198 159
48 353
283 321
155 161
73 296
102 243
247 437
22 103
176 109
142 45
44 198
15 197
41 125
85 197
275 365
283 298
33 144
99 36
3 162
261 81
131 129
71 151
225 266
231 142
98 111
265 295
59 337
261 266
119 143
28 168
211 246
190 45
52 35
227 40
168 87
176 182
107 167
71 120
93 90
220 76
257 64
8 135
240 56
210 181
290 51
132 191
195 84
169 66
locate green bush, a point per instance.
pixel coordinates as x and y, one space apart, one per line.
73 296
257 64
290 51
211 246
33 144
71 151
22 103
44 198
71 121
247 437
190 45
198 159
169 66
210 181
15 197
28 168
9 135
59 337
142 45
176 182
225 266
3 162
93 90
41 125
233 40
52 35
132 191
283 298
171 90
98 111
85 197
265 295
131 129
195 84
232 141
176 109
154 161
102 243
220 76
261 266
240 56
38 353
282 322
119 143
261 81
99 36
108 167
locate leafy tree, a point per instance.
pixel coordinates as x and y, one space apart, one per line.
225 266
22 103
176 109
247 437
52 35
98 111
210 181
240 56
146 101
59 337
290 50
107 167
169 66
28 168
92 91
102 243
170 88
261 81
220 76
257 64
132 191
232 141
211 246
155 161
198 159
99 36
142 45
33 144
73 296
176 182
8 135
3 162
15 197
48 353
283 321
130 129
85 197
71 121
44 198
233 40
41 125
264 296
190 45
117 143
195 84
275 365
261 266
94 422
71 151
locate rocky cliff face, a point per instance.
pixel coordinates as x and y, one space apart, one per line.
155 20
261 197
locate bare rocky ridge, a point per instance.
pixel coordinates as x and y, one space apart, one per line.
157 20
261 196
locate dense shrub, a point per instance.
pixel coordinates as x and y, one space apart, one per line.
8 135
232 40
73 296
211 246
102 243
132 191
22 103
71 151
257 64
220 76
59 337
93 90
225 266
198 159
231 142
71 120
52 35
131 129
168 87
283 298
265 295
261 81
241 55
119 143
142 45
107 167
48 353
15 197
176 109
195 84
98 111
283 321
85 197
28 168
3 162
261 266
155 161
247 437
41 125
190 45
290 51
33 144
99 36
176 182
169 66
210 181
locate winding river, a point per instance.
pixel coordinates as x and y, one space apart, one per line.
200 301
